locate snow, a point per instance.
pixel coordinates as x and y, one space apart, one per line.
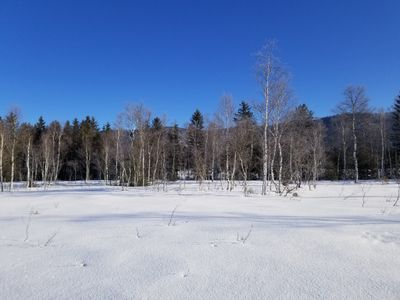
77 241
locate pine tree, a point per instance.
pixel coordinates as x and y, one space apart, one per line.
196 144
303 116
39 128
395 135
156 124
106 127
244 112
197 120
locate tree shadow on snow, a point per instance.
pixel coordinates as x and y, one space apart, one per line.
277 221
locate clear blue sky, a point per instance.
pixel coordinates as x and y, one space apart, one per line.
65 59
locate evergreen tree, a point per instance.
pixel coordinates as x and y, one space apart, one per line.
106 127
39 128
197 120
244 112
195 134
156 124
174 152
395 134
303 116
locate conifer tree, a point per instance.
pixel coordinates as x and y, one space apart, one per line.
395 136
244 112
197 120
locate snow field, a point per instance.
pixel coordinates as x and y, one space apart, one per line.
340 241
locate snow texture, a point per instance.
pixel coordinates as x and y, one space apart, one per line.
77 241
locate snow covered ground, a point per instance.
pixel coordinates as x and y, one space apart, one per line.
96 242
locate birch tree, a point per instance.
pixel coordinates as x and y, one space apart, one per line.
56 132
244 146
26 137
268 73
280 97
355 103
2 136
225 114
88 132
106 140
136 119
382 131
12 124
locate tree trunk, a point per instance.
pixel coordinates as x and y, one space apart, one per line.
344 153
28 164
12 165
265 157
117 155
157 158
355 149
233 172
106 154
280 167
315 166
273 160
57 167
213 159
1 161
382 146
291 159
143 160
244 172
87 163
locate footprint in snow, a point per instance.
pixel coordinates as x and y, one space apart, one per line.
213 244
184 274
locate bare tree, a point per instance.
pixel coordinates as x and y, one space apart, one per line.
355 103
56 132
317 146
46 152
280 96
117 140
12 124
106 140
136 118
382 131
299 135
26 137
225 114
2 135
268 73
88 130
244 140
341 123
157 137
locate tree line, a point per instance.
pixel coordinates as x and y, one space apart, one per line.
275 141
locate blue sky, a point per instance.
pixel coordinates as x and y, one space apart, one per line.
65 59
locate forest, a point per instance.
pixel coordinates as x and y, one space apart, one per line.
273 140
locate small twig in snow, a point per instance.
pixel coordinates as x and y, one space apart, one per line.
243 239
51 237
28 225
172 216
137 233
363 195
